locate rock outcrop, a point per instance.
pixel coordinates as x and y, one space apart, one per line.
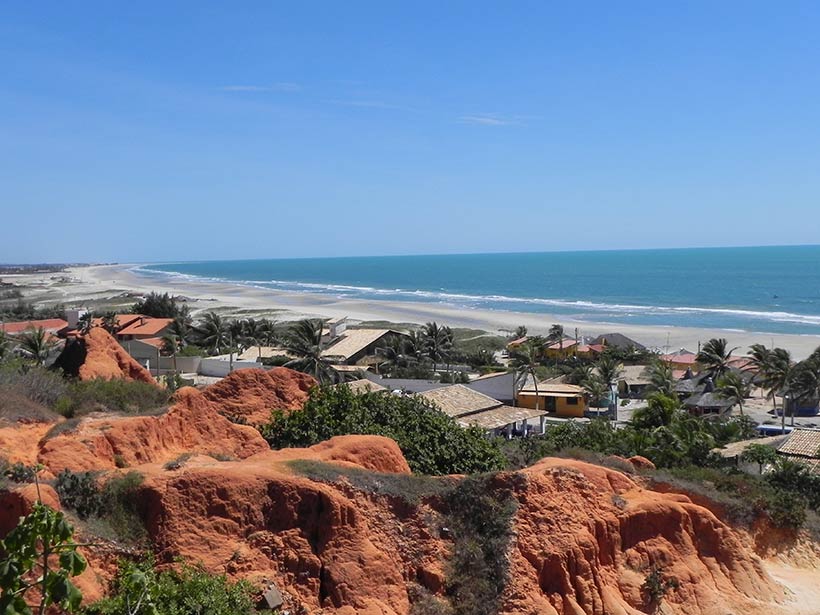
253 393
98 355
342 527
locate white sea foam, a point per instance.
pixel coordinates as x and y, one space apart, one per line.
496 301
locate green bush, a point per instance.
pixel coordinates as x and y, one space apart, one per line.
187 591
79 492
432 442
129 397
35 383
480 514
18 472
276 360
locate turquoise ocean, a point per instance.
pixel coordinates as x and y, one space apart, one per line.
763 289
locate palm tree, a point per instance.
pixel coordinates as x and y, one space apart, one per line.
777 373
438 341
395 354
804 382
525 360
85 322
212 333
610 369
236 333
715 356
596 388
171 345
36 344
556 334
268 332
520 331
661 378
734 388
181 328
304 341
253 334
109 322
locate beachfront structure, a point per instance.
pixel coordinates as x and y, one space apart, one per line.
617 340
144 327
564 400
633 381
682 360
358 346
704 400
469 407
803 446
562 349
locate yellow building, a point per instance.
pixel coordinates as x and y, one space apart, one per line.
567 400
561 350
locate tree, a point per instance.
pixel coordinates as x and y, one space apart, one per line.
268 332
109 322
212 333
304 341
181 329
40 554
715 356
431 441
525 360
158 305
520 331
35 343
171 345
394 354
610 369
252 334
733 387
596 388
661 378
759 454
556 335
437 341
85 322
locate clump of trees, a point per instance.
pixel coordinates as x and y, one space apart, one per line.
432 442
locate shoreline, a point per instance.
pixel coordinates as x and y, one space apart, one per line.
100 282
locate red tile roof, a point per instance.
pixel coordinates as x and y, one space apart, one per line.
146 326
685 359
123 320
51 325
568 343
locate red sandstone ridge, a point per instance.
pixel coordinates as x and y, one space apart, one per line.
98 355
253 393
191 425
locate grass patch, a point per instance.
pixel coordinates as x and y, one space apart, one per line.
410 488
126 397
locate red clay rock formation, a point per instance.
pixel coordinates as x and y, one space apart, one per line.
641 463
98 355
191 425
253 393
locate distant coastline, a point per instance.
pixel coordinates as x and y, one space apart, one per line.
97 285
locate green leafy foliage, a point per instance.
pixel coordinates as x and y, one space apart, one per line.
28 563
432 442
139 589
79 492
19 472
656 586
158 305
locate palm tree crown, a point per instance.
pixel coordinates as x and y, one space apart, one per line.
304 341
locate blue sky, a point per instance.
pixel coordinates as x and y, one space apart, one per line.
163 131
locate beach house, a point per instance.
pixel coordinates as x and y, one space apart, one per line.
561 399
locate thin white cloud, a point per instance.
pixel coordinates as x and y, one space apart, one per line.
274 87
370 104
493 119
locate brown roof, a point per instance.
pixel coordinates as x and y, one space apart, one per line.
499 417
146 326
687 358
354 341
802 443
735 449
634 374
457 400
364 386
554 389
567 343
51 325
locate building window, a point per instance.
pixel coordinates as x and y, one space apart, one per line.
572 401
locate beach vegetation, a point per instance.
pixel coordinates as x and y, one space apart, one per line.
123 396
437 341
39 559
159 305
26 310
139 588
525 360
303 341
734 387
715 357
212 333
36 344
431 441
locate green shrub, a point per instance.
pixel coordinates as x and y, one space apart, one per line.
187 591
276 360
432 442
19 472
122 505
79 492
35 383
179 462
129 397
480 514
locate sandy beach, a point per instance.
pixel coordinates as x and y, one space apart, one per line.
96 284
